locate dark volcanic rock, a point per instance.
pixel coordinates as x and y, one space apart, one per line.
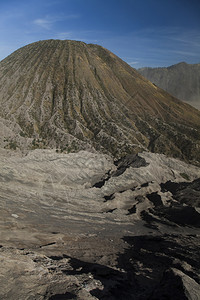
162 267
183 215
184 192
155 198
176 285
134 161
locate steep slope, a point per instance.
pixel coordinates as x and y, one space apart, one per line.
69 95
181 80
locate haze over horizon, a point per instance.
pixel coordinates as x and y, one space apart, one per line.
142 32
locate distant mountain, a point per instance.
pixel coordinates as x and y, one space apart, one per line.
69 95
181 80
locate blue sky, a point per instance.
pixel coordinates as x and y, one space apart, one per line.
142 32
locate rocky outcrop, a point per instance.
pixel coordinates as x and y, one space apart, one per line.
73 96
181 80
65 236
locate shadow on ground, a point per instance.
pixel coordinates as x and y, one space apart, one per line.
152 267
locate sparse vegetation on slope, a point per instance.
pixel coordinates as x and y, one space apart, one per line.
85 97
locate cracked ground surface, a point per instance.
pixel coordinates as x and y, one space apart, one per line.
79 226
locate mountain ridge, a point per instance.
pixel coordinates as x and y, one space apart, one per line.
181 80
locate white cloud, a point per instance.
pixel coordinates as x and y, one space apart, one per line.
186 53
133 63
43 23
48 21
